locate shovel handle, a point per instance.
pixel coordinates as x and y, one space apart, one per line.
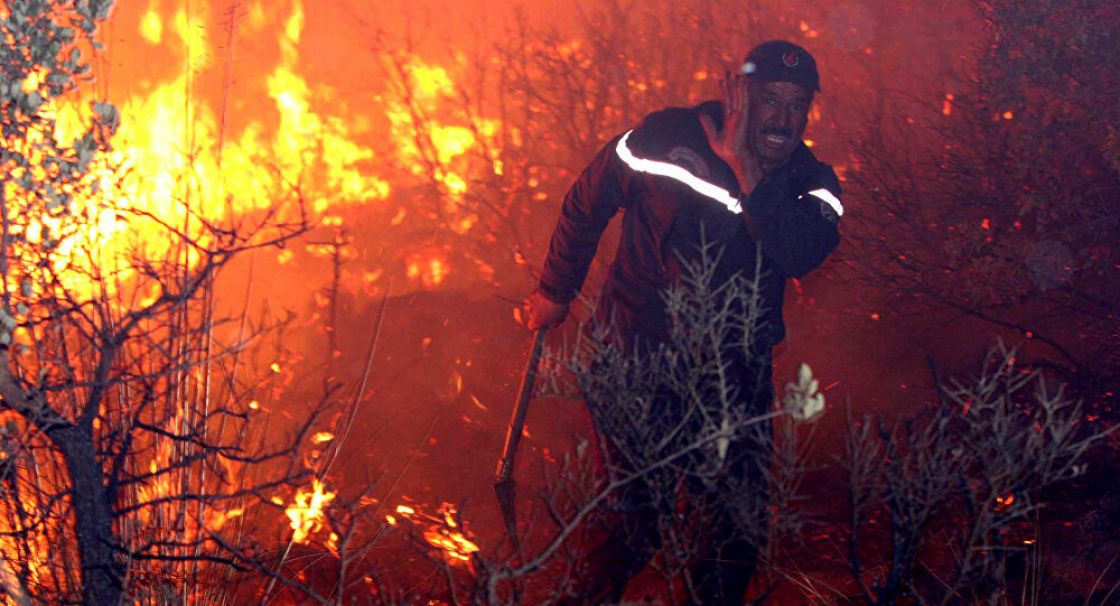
517 421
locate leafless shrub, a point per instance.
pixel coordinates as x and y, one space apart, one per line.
132 447
957 484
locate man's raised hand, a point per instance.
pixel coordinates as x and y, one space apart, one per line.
731 143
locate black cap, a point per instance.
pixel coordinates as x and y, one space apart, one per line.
781 61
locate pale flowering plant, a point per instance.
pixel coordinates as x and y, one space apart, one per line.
802 401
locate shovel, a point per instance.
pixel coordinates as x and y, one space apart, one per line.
504 486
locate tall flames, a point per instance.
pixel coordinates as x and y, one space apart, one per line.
196 143
206 137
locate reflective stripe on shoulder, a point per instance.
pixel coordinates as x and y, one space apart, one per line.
828 198
677 173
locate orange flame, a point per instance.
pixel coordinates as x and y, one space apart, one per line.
174 157
1003 503
440 531
176 160
306 513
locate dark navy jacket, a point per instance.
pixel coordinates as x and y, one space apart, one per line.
673 188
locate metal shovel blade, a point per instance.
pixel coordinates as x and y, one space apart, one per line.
506 491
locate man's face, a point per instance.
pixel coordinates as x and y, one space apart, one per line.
779 113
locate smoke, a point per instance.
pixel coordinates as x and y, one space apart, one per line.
434 192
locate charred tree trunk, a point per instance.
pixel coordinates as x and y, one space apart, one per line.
101 571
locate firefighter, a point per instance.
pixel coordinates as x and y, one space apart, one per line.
734 174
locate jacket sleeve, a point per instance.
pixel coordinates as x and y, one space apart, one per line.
797 230
590 204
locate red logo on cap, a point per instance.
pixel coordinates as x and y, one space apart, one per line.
790 59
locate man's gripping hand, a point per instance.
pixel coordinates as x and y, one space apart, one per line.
543 312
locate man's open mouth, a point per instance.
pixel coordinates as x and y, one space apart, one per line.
775 137
775 140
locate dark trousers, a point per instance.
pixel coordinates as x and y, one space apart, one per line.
712 510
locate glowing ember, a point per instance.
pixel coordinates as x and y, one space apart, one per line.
218 519
1003 503
430 271
322 437
306 513
440 531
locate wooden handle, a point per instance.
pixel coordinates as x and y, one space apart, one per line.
520 410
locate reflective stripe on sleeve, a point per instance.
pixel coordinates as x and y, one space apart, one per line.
828 198
677 173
